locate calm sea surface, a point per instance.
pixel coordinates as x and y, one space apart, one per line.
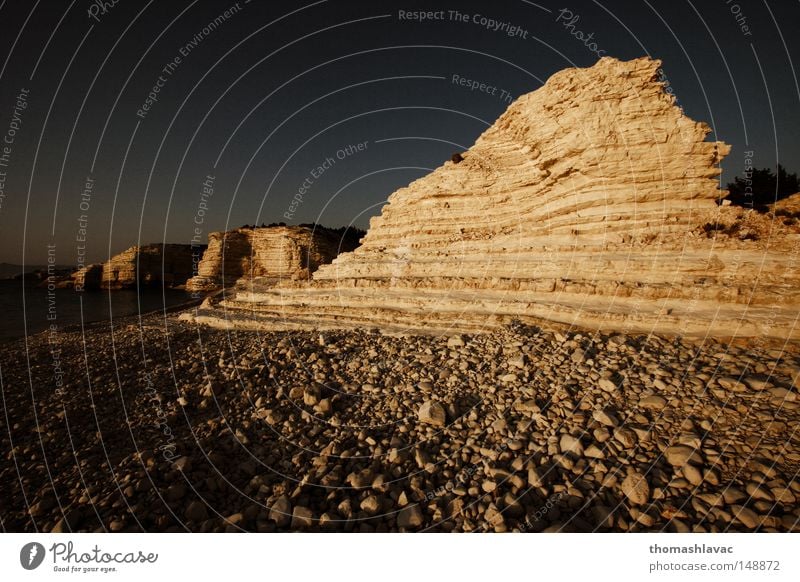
97 305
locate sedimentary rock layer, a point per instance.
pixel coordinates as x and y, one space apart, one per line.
274 252
592 201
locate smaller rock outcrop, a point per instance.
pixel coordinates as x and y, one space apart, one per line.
269 253
88 277
154 264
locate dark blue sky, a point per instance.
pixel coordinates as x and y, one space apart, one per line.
274 89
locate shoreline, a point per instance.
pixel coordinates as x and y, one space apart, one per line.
73 327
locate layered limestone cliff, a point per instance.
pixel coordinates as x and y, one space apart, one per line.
269 254
591 202
155 264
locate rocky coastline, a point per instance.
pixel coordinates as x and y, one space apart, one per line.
562 329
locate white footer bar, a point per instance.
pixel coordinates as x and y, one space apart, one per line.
332 557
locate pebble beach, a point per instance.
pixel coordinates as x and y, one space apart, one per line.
158 425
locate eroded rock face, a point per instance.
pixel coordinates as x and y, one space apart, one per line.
272 253
154 264
591 202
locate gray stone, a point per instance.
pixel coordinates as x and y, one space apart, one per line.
410 517
606 385
528 406
653 402
601 435
636 488
594 452
679 455
757 383
660 384
603 516
431 412
361 479
625 436
494 516
196 511
371 504
302 517
733 495
756 491
692 474
746 516
311 395
779 393
578 356
517 362
731 384
535 476
183 464
605 418
571 444
281 511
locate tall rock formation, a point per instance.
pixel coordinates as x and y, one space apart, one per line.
272 253
590 202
